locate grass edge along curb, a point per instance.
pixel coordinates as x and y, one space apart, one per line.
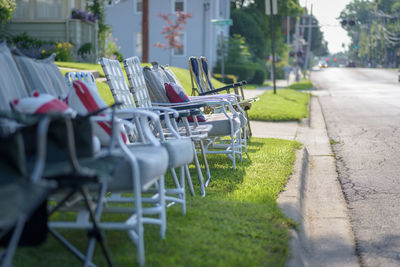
285 105
237 224
302 85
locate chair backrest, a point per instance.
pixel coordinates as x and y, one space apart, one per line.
137 82
117 83
171 75
86 77
155 79
41 75
196 76
206 72
11 83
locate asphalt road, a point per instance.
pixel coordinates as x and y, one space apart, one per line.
362 112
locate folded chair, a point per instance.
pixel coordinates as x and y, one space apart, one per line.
198 77
133 171
225 135
21 194
140 93
179 149
201 77
16 151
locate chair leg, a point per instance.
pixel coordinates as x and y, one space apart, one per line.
13 244
174 177
163 214
199 173
233 147
189 180
208 173
248 126
95 233
183 194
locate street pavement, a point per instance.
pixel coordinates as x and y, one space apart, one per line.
362 112
313 196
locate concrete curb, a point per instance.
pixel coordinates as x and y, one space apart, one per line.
291 202
314 198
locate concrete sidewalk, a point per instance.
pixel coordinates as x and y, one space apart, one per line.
313 195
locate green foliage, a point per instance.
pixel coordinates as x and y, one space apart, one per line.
111 50
319 46
242 71
374 36
7 8
85 49
245 25
238 223
97 8
260 74
302 85
285 105
63 51
235 50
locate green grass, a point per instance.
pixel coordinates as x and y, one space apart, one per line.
81 66
302 85
238 223
255 86
286 105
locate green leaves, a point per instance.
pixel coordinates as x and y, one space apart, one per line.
7 7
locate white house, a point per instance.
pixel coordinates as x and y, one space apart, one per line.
199 36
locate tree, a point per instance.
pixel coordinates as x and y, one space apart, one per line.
7 8
376 34
250 20
319 46
172 30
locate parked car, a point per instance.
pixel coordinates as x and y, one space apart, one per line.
351 64
322 64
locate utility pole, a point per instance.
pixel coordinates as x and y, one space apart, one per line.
288 38
308 54
145 31
296 49
271 9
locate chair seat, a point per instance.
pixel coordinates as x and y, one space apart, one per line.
221 124
153 162
180 151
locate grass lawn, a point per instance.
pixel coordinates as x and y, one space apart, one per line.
237 224
255 86
302 85
286 105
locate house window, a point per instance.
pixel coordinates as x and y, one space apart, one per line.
22 10
178 5
180 39
139 44
138 6
48 9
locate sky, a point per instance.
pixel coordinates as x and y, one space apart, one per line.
326 11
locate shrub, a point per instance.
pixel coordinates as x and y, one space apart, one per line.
260 75
63 51
85 49
243 72
7 8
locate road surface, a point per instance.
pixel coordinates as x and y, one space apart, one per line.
362 112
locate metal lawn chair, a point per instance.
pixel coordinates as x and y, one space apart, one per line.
135 172
178 148
25 156
201 77
225 124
